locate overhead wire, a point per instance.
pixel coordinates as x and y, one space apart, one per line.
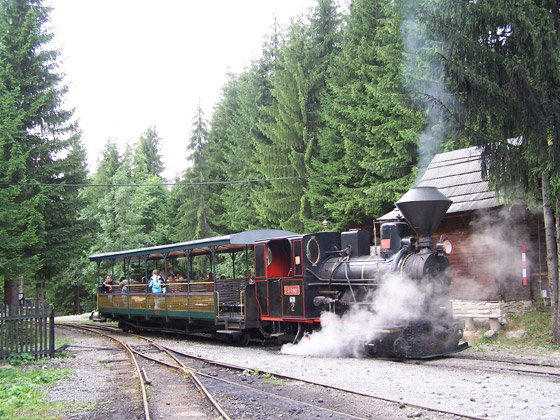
188 184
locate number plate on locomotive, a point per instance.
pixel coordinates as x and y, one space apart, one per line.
291 290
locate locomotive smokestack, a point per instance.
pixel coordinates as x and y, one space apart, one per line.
424 208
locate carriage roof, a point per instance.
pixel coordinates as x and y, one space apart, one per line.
222 244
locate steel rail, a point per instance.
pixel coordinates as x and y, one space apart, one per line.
293 378
495 359
215 378
502 368
180 366
288 377
132 358
192 374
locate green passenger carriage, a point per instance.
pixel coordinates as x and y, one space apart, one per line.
215 304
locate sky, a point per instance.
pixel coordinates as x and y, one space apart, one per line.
135 64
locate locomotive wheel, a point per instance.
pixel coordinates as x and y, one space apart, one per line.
124 326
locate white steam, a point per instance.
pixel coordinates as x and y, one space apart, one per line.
424 80
397 302
499 235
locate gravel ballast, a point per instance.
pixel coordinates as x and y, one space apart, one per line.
476 390
479 392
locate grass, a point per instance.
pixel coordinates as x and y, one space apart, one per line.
23 393
537 324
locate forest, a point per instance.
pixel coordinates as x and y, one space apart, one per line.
336 119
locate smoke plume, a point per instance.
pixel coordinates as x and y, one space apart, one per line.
395 303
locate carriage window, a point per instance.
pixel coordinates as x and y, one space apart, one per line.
260 261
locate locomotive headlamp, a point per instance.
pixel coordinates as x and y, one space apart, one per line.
444 246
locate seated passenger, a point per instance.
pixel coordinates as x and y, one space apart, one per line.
182 277
107 285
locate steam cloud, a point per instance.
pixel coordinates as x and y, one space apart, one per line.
424 81
500 233
398 301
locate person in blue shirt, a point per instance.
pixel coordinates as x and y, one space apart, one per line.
155 285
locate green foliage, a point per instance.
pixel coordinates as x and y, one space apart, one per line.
18 359
537 324
501 60
40 233
291 123
22 393
372 126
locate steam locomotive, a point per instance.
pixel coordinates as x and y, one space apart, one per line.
401 290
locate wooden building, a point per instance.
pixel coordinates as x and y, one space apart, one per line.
498 264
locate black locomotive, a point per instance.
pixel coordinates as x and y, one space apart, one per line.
341 274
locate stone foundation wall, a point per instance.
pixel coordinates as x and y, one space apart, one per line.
485 309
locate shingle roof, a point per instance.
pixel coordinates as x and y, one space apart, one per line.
457 175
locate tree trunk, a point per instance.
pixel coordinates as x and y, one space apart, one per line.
556 315
551 259
77 306
11 292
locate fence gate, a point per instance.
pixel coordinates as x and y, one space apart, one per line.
27 328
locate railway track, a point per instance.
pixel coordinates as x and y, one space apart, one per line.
494 365
147 376
240 390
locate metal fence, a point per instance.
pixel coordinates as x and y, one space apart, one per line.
27 328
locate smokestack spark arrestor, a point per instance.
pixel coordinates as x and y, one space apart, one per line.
424 208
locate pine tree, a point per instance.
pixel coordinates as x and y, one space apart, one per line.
298 83
194 216
40 146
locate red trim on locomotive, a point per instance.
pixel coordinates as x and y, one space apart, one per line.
305 321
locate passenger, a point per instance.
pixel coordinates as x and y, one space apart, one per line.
170 280
182 277
107 285
210 277
155 285
124 287
222 277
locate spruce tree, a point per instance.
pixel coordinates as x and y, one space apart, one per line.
232 154
370 137
194 218
298 82
147 156
41 149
